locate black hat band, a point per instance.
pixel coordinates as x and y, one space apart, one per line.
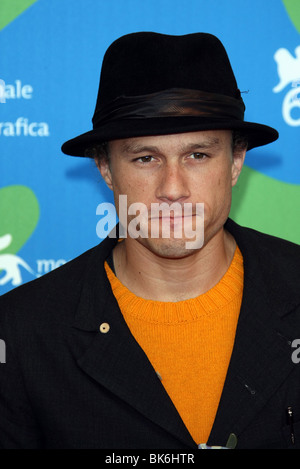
175 102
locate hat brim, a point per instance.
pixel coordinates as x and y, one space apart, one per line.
257 134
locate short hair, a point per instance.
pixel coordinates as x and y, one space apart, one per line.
239 141
98 151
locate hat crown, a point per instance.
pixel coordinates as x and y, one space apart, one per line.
159 84
147 62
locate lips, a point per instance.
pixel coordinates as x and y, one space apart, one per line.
172 218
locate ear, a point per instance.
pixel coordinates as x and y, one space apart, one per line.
103 166
238 158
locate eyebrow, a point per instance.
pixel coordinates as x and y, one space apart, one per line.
136 148
208 143
139 148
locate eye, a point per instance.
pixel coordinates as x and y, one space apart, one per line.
198 156
144 159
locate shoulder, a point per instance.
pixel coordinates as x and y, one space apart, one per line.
258 243
271 263
57 291
60 278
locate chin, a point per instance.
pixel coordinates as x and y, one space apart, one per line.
169 248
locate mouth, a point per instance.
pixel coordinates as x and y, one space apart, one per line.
173 218
177 223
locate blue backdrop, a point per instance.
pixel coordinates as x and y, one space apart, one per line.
50 62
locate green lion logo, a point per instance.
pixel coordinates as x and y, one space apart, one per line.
19 214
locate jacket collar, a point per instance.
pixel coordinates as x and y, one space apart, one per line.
261 357
117 362
269 265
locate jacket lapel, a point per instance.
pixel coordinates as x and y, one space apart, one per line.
260 362
114 359
261 357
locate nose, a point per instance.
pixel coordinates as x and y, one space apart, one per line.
173 185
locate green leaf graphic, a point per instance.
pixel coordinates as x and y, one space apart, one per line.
293 9
19 215
10 9
266 204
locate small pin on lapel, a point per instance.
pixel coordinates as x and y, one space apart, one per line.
232 441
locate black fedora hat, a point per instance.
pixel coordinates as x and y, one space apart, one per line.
156 84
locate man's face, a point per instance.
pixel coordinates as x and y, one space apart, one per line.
188 168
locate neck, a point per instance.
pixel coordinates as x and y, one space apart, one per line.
163 279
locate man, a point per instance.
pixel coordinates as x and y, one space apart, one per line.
147 341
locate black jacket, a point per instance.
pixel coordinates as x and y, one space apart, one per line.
66 384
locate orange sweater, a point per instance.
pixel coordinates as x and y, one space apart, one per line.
189 343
